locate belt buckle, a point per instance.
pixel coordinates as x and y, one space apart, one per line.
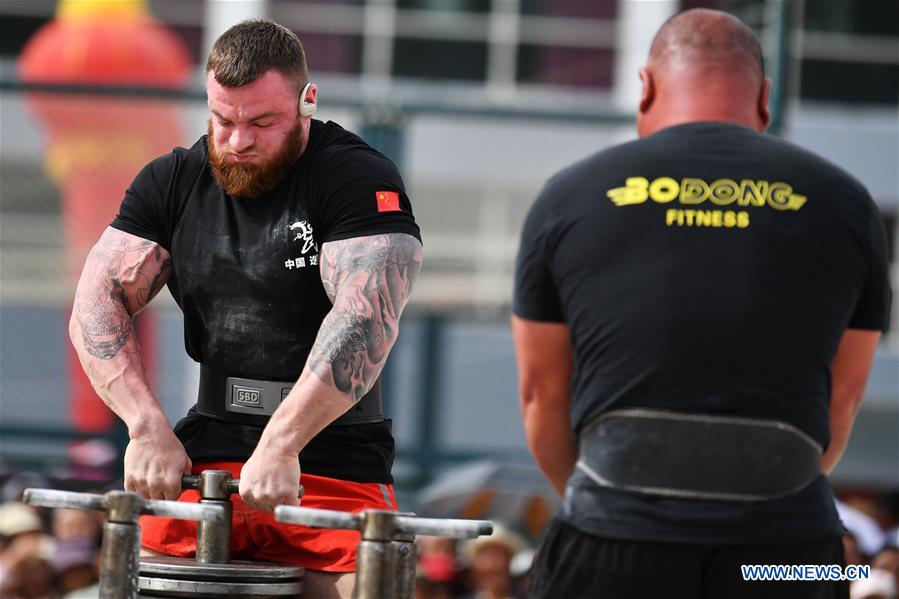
244 396
260 398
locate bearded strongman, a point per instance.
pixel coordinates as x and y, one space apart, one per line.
290 246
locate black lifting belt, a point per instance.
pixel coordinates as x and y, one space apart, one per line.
250 401
698 456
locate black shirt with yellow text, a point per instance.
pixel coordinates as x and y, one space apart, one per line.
705 268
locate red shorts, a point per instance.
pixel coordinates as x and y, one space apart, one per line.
256 535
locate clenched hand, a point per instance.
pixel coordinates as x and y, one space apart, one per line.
270 478
154 463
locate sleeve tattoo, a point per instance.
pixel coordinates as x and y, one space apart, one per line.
369 280
122 274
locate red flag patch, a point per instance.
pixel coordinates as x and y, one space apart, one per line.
388 201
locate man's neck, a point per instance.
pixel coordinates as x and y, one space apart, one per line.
704 117
306 129
697 96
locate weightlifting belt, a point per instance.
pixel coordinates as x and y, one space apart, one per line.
250 401
697 456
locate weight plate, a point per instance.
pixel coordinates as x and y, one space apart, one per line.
168 587
181 568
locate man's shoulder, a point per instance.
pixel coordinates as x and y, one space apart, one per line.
168 180
194 158
180 160
828 172
775 151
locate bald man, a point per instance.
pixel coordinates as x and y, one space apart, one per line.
695 317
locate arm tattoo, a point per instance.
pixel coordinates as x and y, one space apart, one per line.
122 274
369 280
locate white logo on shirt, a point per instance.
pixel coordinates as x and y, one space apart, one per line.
303 233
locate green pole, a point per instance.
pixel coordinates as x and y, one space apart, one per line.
382 128
780 72
431 347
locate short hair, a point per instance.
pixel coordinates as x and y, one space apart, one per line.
251 48
705 35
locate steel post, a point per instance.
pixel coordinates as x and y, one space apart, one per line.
386 555
376 570
213 538
120 552
119 561
403 548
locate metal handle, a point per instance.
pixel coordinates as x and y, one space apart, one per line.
192 481
64 499
439 527
316 518
55 498
202 512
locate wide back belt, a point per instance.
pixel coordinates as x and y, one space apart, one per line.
251 401
698 456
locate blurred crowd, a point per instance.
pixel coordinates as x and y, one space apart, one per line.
54 554
494 567
872 539
48 555
883 581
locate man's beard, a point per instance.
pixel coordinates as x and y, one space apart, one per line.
254 180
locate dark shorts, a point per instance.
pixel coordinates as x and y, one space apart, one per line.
573 564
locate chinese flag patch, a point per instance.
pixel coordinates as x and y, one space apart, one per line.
388 201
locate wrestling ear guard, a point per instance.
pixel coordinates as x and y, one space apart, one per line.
306 108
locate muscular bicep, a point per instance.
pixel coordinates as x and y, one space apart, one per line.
369 281
122 274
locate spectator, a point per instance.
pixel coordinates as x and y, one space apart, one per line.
17 483
892 537
25 554
437 558
77 524
863 526
879 585
33 577
854 556
490 560
75 564
437 568
888 561
426 588
521 566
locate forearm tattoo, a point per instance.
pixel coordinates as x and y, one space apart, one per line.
369 280
122 274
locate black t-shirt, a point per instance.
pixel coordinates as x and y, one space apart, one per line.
246 276
705 268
